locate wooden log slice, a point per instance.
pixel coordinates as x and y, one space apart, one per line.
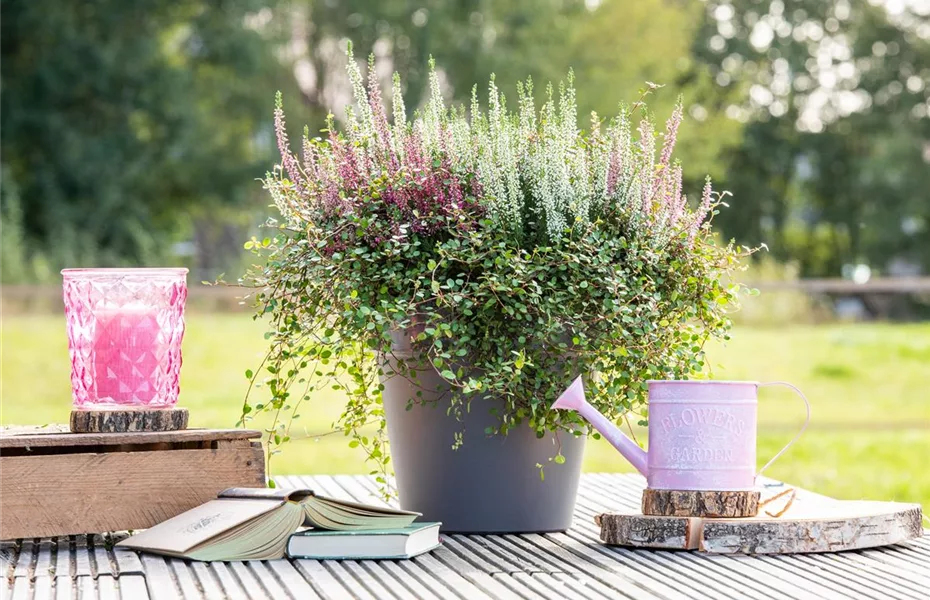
823 526
123 421
705 503
841 525
643 531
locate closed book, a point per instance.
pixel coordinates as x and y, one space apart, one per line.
405 542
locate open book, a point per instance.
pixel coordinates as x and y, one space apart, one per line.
255 524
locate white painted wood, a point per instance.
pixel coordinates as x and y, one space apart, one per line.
252 586
44 560
65 589
132 587
549 566
25 561
106 588
211 575
43 588
21 589
81 566
321 579
184 577
418 582
87 587
268 579
160 579
341 573
64 559
297 587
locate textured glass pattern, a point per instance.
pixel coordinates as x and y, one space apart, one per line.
125 328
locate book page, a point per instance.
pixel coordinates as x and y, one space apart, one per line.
180 534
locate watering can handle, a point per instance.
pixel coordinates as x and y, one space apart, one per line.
798 434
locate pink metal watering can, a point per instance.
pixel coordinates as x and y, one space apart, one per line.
702 434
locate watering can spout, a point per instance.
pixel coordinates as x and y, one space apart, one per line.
573 399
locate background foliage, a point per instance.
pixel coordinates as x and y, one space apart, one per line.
134 132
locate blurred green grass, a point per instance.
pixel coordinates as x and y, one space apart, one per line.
869 438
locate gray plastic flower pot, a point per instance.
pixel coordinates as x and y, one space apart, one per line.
490 484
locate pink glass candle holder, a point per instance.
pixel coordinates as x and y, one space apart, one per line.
124 336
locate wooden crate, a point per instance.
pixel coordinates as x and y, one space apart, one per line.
57 483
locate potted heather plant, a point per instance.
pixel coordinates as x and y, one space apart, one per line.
453 273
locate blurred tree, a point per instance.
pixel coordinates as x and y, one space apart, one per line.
121 121
613 46
834 167
127 126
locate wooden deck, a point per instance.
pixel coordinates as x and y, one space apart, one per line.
554 566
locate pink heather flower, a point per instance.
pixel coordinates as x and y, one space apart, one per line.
671 135
648 144
382 132
701 212
676 200
287 159
614 168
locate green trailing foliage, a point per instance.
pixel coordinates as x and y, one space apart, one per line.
512 250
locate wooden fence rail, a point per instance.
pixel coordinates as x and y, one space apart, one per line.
47 298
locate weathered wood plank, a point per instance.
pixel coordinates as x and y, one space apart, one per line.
297 587
570 565
106 588
42 588
25 560
132 587
269 580
35 437
325 584
87 587
66 588
821 571
22 589
582 586
64 561
160 580
250 583
535 587
478 555
211 577
185 578
45 559
361 576
625 578
556 563
127 561
455 564
82 565
116 491
860 565
355 587
421 585
102 561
